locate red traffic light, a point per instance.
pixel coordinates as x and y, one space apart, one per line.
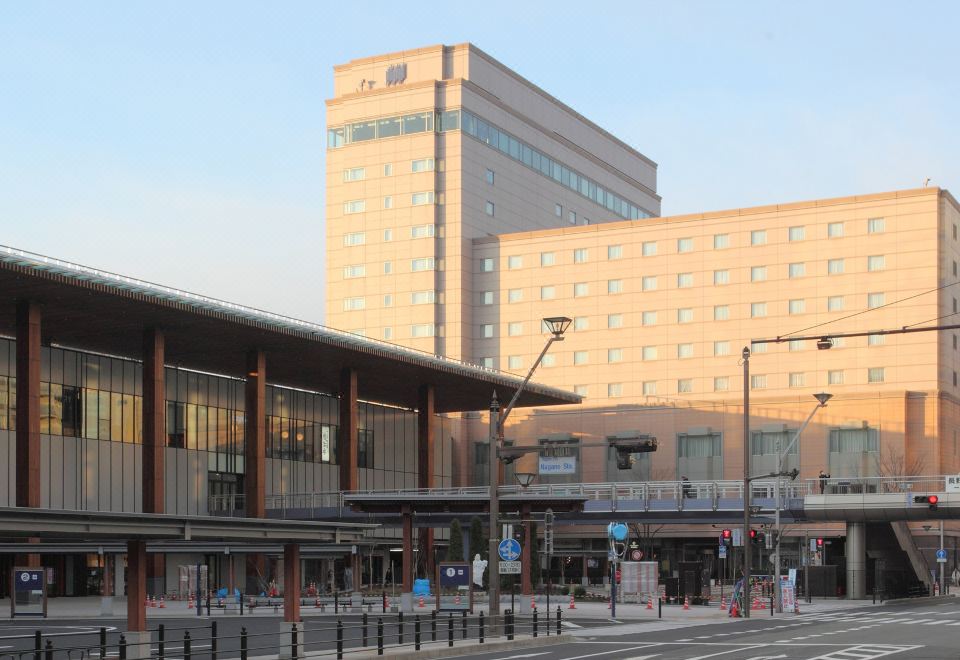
819 543
727 534
753 533
932 499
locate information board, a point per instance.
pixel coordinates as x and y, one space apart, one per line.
29 592
454 589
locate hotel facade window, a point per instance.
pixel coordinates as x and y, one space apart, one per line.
486 330
835 230
354 239
422 165
854 452
514 295
721 312
876 340
835 377
797 379
355 270
490 177
572 217
684 280
580 289
721 348
875 263
758 273
514 261
649 388
614 321
684 351
387 235
700 455
514 362
388 300
614 252
558 210
614 390
684 245
423 231
581 255
387 267
423 297
875 226
489 209
422 264
796 233
648 249
835 303
758 310
614 286
835 266
758 237
875 300
580 357
758 381
487 297
648 318
388 169
514 329
721 383
422 330
796 270
422 198
388 202
354 206
649 283
876 375
548 293
581 323
354 304
486 265
721 277
721 241
766 447
649 353
548 258
614 355
684 385
685 315
354 174
797 306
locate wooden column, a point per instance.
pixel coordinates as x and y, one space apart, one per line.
255 446
291 582
136 585
426 465
154 411
407 554
347 440
28 404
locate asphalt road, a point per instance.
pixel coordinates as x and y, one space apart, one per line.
916 630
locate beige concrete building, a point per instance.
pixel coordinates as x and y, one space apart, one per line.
431 148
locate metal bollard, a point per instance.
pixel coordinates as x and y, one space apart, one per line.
208 604
241 603
383 601
103 643
48 649
771 605
450 629
416 632
400 628
186 645
364 628
659 608
559 620
161 643
480 626
433 625
336 602
339 639
379 636
535 622
243 643
464 619
38 645
121 648
213 640
508 619
294 642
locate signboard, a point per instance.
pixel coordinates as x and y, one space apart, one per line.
509 550
722 552
941 556
636 555
29 592
558 465
454 591
325 444
788 596
640 578
953 484
509 568
737 537
813 545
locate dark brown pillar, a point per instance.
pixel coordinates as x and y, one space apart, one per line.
526 588
291 582
28 404
255 438
425 465
347 442
154 410
136 585
407 554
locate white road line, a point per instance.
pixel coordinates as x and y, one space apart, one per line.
865 652
524 655
571 624
713 655
635 648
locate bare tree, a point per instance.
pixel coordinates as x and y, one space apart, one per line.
894 463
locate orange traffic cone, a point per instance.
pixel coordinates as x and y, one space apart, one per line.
153 601
162 603
456 601
573 604
421 601
386 602
796 606
686 602
190 602
650 602
146 601
723 602
533 602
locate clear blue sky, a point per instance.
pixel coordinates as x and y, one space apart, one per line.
183 142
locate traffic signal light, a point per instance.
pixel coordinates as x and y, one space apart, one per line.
753 536
627 447
819 544
930 500
727 537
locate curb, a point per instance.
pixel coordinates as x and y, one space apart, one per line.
443 651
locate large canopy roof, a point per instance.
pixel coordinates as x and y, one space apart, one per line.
90 309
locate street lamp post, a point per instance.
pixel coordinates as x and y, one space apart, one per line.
822 399
558 325
746 482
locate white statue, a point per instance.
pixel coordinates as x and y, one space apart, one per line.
479 566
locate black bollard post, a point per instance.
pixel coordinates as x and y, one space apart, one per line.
243 643
213 640
450 629
364 629
294 642
535 622
48 649
771 605
383 601
336 602
464 624
480 626
433 624
416 632
121 648
161 644
659 608
103 643
38 645
400 628
186 645
208 604
339 639
379 636
509 617
559 620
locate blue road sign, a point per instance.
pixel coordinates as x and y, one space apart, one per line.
509 550
941 554
722 552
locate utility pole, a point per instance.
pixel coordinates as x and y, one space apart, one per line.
746 482
493 556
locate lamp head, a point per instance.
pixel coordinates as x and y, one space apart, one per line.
745 353
558 325
823 397
824 344
525 478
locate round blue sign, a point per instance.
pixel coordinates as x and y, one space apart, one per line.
941 554
509 550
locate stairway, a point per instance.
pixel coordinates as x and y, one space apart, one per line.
909 546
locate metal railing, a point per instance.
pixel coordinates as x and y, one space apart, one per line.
877 485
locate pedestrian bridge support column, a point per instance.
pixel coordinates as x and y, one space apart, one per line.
856 561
